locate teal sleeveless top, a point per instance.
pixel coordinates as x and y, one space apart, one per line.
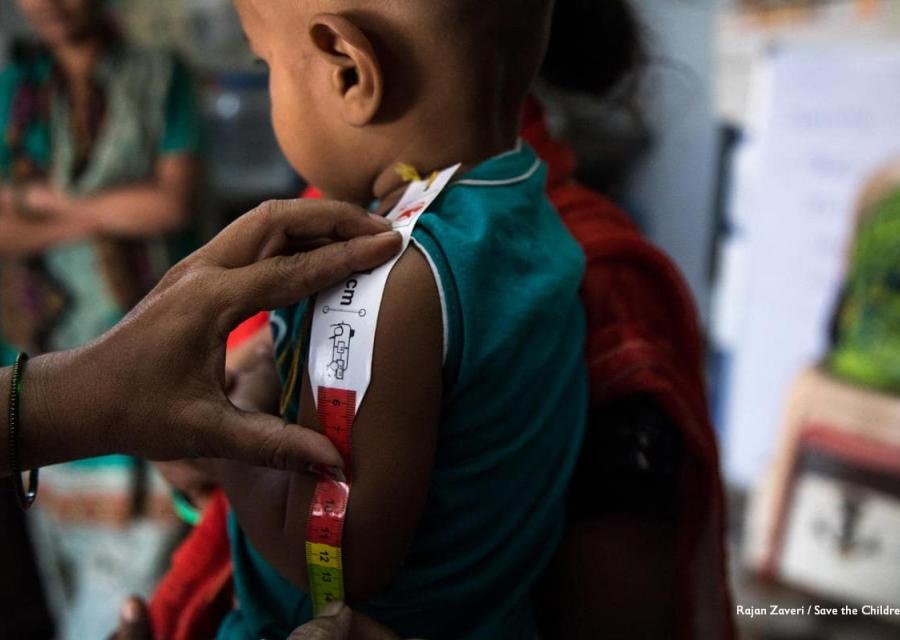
513 417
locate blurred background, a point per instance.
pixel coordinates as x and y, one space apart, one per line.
760 148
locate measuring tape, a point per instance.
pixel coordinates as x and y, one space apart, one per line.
342 341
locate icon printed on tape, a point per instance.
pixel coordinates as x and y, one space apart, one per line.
357 312
405 216
342 334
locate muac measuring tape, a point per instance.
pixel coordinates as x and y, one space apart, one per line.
342 342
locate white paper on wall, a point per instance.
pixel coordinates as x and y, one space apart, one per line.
824 121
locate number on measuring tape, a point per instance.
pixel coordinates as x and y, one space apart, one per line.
337 409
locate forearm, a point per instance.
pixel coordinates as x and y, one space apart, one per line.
20 237
136 211
47 415
156 205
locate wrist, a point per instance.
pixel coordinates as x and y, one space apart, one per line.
60 401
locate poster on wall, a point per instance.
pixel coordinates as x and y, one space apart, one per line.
825 120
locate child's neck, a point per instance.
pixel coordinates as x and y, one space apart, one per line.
441 146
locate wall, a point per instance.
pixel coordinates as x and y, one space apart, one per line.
673 190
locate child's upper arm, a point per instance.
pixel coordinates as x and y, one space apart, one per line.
395 433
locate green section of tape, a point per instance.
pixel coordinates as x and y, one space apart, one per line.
326 585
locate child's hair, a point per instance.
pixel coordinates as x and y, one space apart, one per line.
595 45
509 37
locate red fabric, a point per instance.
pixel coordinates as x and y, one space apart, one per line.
643 338
248 329
197 592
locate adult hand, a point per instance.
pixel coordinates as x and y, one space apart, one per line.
154 386
255 387
35 201
40 200
334 624
339 623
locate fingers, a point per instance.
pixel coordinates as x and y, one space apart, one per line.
285 280
265 441
134 621
266 230
333 624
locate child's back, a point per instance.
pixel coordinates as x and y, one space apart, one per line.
464 446
511 420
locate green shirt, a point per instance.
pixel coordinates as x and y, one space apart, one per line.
512 421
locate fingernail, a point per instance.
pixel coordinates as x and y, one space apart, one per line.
131 611
332 609
387 234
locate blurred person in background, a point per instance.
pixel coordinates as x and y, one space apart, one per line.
98 171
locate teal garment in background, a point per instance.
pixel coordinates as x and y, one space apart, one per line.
512 421
183 126
37 139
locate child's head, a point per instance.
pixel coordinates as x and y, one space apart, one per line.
358 85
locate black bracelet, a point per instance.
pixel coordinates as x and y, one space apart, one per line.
26 499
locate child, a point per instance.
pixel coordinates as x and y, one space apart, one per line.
464 446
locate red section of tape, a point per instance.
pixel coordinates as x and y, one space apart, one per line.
337 410
327 513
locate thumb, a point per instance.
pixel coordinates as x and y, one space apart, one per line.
333 624
266 441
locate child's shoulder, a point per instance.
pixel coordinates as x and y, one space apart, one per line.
498 217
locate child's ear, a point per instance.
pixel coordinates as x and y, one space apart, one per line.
355 74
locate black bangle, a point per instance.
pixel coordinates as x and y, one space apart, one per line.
26 499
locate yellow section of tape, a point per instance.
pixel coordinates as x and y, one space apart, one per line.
323 555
